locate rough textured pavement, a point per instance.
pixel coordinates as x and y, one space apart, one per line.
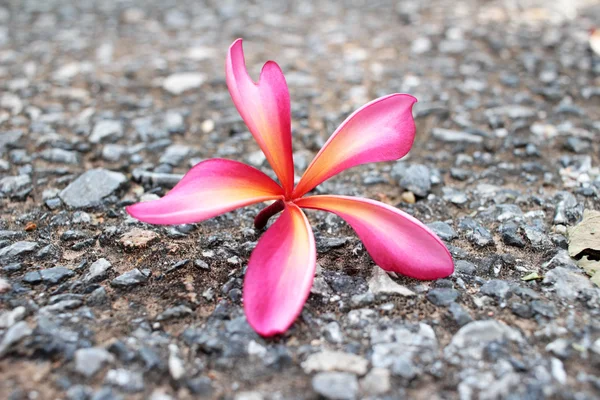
109 102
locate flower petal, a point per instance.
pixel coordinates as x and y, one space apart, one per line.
395 240
210 188
265 107
381 130
280 273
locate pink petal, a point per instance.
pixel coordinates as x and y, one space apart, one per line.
265 107
280 273
381 130
210 188
395 240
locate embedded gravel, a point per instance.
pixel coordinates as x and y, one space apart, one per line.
106 103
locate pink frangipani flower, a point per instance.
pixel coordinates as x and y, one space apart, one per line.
282 266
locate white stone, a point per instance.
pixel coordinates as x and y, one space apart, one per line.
90 360
335 361
376 382
178 83
381 283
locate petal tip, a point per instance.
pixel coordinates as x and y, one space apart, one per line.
131 210
264 329
237 42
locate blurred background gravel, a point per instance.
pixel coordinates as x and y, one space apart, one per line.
104 103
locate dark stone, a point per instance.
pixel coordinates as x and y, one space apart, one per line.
543 308
496 288
521 310
442 296
130 278
50 276
510 235
475 232
201 386
459 314
465 267
443 230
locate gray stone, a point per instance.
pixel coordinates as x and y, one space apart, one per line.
98 297
362 299
257 158
561 259
54 275
201 264
442 296
105 393
460 174
376 382
320 287
9 138
49 276
415 178
17 250
512 111
181 82
19 157
89 361
60 156
333 333
106 131
567 283
421 45
447 135
561 348
11 184
13 335
98 271
471 339
129 278
465 267
537 238
79 392
404 368
113 152
91 187
11 317
455 46
521 310
336 385
476 233
176 312
128 381
156 179
443 230
411 341
454 196
459 314
174 122
577 145
175 154
568 209
496 288
543 308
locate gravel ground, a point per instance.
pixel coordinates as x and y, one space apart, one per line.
109 102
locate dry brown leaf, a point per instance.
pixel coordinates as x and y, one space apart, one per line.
585 235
